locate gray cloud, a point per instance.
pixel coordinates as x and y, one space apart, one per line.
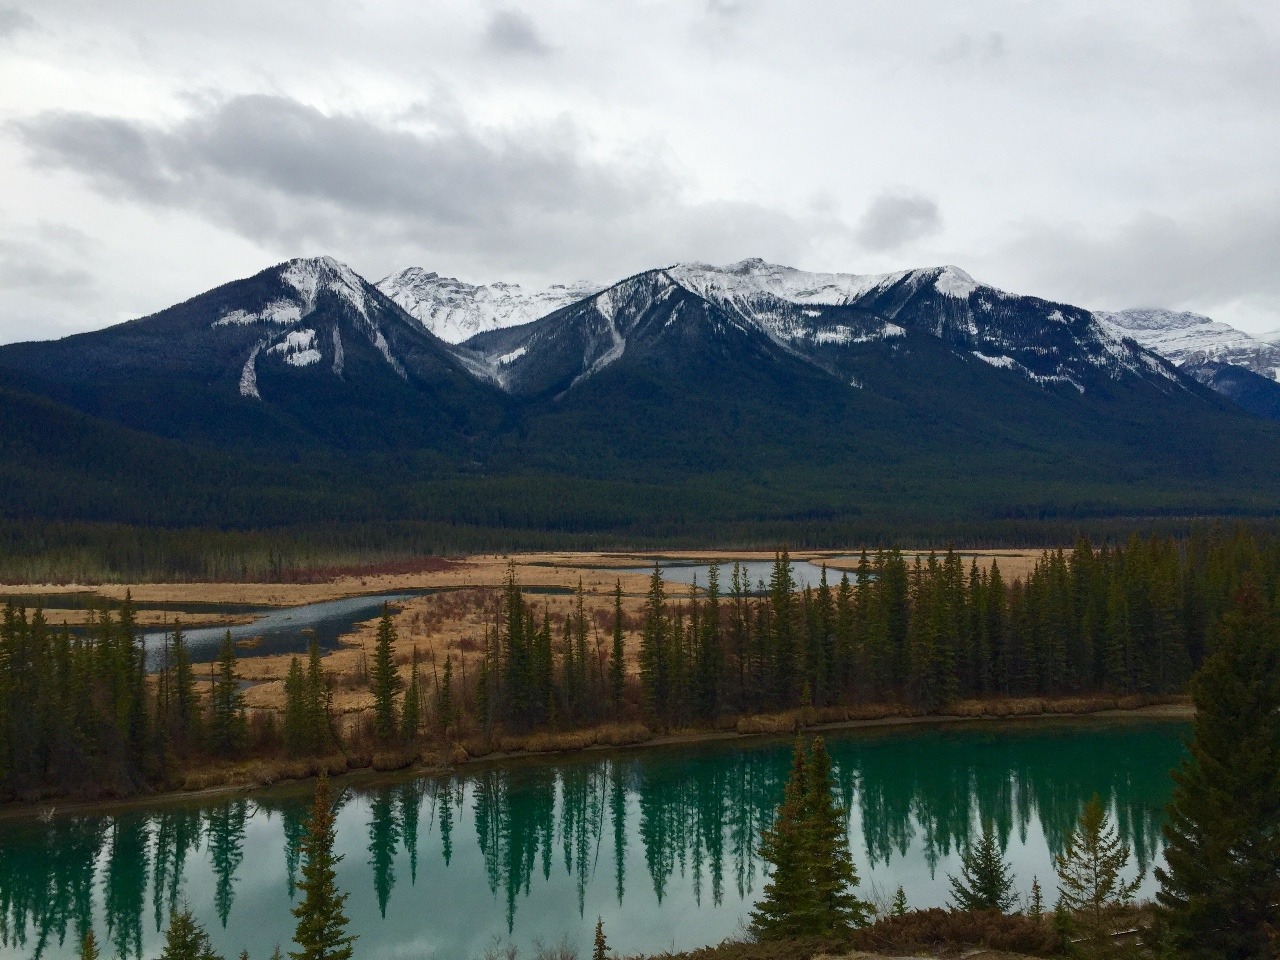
512 32
967 48
1217 259
895 218
13 20
280 172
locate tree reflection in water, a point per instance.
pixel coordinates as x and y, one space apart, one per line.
695 815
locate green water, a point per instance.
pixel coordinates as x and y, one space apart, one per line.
659 843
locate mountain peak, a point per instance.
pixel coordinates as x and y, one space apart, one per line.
455 311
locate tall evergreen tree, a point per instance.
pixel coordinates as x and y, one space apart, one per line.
186 939
789 907
228 726
1089 883
384 680
617 653
411 715
322 924
985 881
833 874
1221 888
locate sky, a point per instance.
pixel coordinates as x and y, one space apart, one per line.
1104 154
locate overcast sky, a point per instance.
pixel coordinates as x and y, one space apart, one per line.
1105 154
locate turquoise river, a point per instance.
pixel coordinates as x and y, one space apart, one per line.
659 842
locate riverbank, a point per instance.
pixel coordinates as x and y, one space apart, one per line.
359 768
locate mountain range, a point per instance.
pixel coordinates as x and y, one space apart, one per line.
678 399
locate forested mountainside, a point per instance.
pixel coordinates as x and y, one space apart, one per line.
685 402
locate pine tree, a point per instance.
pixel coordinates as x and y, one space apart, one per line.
985 882
1089 883
296 740
617 655
89 946
1035 905
227 724
411 714
655 658
321 931
789 907
185 939
1222 885
385 680
899 907
600 946
444 696
831 867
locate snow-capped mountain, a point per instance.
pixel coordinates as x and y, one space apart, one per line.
308 344
455 311
1192 339
829 320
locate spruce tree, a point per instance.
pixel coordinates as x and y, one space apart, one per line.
899 906
655 658
789 907
444 696
384 679
600 946
617 654
1035 905
322 924
227 724
1089 883
296 738
985 882
89 946
1220 891
832 871
411 714
185 939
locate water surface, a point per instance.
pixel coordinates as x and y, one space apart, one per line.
282 629
660 843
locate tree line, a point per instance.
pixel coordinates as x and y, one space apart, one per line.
82 710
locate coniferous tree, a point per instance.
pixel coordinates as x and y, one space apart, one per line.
227 724
411 714
655 657
186 939
985 882
384 679
789 906
599 945
1089 884
444 696
617 654
1035 904
89 946
832 872
1221 887
322 924
899 905
296 736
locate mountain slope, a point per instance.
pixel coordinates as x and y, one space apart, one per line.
303 352
690 395
455 311
1194 338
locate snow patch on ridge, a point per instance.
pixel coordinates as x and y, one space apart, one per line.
954 282
249 374
298 348
282 312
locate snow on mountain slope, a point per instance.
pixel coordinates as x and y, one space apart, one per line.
806 312
1193 339
456 311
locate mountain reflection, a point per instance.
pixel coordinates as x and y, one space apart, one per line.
688 819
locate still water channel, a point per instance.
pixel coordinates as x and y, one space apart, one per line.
660 843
